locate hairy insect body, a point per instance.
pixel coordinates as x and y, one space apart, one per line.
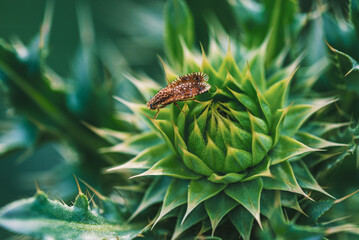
183 88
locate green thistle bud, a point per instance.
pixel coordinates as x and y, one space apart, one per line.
241 139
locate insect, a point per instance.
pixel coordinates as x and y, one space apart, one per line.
183 88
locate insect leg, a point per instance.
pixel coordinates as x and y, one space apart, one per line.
179 108
158 110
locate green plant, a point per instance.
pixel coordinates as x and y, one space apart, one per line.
252 148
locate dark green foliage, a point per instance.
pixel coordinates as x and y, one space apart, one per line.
250 159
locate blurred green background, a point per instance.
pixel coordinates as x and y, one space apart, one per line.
116 23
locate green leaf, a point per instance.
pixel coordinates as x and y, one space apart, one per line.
258 125
237 160
199 191
196 143
283 179
305 178
213 156
178 140
248 195
176 195
229 66
212 126
214 77
216 213
182 224
145 159
348 69
260 170
140 110
288 147
145 85
196 164
223 137
316 209
135 144
189 58
227 178
178 24
202 120
243 221
299 113
277 124
45 218
241 139
334 160
112 136
290 200
266 107
165 129
111 210
181 118
321 128
154 194
242 118
256 69
316 142
261 144
269 203
170 166
248 85
247 102
277 93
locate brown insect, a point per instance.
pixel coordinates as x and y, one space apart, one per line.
183 88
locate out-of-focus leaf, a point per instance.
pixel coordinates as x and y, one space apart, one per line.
340 8
347 68
145 159
135 144
41 217
333 162
355 15
317 209
178 25
313 35
281 16
18 134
